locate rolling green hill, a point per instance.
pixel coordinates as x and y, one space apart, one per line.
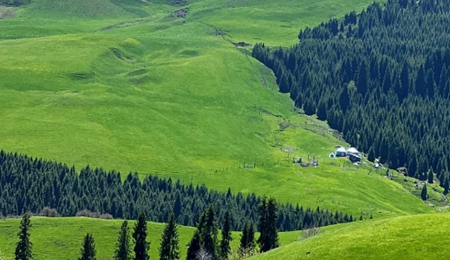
135 88
410 237
61 238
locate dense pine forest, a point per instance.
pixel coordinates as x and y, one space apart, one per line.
30 185
381 78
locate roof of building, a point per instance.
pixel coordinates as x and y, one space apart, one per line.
341 149
352 150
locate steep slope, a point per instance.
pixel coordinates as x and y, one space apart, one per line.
411 237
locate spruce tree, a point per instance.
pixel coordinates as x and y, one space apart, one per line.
423 195
262 227
208 233
243 241
250 237
88 248
446 186
272 219
268 238
194 246
247 239
430 177
169 249
23 248
123 250
225 249
141 246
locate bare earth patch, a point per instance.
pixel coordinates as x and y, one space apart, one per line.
7 12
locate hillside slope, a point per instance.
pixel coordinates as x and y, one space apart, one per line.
166 95
411 237
61 238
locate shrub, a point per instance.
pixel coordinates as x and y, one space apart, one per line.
49 212
309 232
90 214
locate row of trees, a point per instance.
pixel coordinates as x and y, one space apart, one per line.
382 78
88 252
203 245
30 185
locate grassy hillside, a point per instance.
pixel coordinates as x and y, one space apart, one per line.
411 237
61 238
136 88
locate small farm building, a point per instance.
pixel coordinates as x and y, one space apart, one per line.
340 152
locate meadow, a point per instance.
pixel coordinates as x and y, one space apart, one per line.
408 237
134 88
131 87
61 238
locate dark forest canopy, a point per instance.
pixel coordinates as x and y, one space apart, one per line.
14 2
28 184
381 78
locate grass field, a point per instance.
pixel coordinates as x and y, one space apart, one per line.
406 237
61 238
136 89
127 85
409 237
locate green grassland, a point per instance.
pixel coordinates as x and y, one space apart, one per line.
61 238
131 87
127 85
410 237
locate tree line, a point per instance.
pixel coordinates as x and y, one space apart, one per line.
203 245
30 185
14 2
381 77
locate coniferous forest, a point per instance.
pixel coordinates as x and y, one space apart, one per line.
30 185
380 77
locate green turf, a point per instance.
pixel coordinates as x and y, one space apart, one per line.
61 238
410 237
130 87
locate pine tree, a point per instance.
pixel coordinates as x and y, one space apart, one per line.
272 218
88 248
268 238
23 249
446 186
430 177
141 246
194 246
208 233
262 227
169 249
243 241
123 250
250 237
225 249
247 242
423 194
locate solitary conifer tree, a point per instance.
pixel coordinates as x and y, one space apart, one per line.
247 239
169 241
424 192
141 246
23 249
272 222
208 233
268 238
226 237
88 249
123 250
194 246
430 177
